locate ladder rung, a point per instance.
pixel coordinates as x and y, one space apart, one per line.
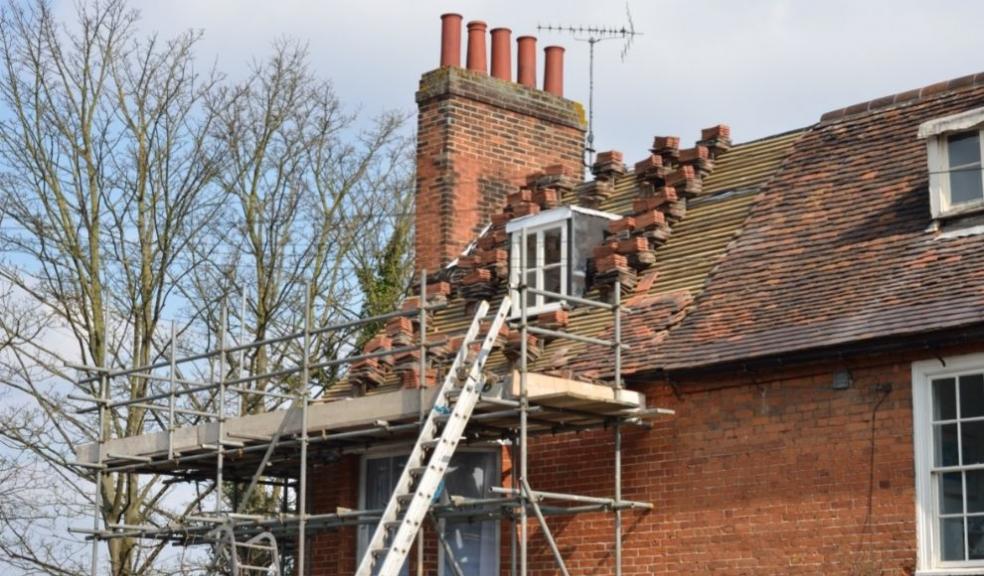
257 568
430 444
404 498
254 546
393 524
418 470
380 552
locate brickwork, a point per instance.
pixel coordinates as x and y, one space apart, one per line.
771 473
777 474
477 139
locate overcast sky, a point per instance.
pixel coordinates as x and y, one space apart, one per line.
762 66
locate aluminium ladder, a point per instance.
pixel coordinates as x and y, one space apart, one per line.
424 473
262 556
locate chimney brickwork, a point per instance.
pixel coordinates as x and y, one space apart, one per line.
478 137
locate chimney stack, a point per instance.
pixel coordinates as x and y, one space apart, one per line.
526 61
480 136
476 47
501 54
553 70
450 40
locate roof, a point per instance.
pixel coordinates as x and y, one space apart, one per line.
841 248
664 291
806 240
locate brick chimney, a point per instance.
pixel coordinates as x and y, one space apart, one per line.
479 136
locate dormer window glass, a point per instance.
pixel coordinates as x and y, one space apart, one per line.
955 149
557 244
546 264
966 180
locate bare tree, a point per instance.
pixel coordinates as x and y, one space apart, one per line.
133 189
106 167
316 196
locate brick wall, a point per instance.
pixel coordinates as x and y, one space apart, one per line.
766 475
478 137
771 473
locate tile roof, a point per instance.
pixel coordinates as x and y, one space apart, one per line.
664 291
840 248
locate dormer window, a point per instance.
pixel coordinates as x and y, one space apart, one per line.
956 171
557 244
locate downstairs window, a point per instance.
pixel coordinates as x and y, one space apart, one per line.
948 404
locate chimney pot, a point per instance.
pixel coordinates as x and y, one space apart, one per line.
553 70
501 54
476 47
451 40
526 61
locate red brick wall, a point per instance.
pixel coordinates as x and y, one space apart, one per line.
768 474
772 475
478 138
332 486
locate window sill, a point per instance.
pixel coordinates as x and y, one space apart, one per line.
960 211
972 571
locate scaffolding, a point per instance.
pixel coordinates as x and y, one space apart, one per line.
238 462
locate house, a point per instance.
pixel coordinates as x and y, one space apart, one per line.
810 306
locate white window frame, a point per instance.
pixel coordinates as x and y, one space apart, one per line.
535 303
936 132
361 535
927 534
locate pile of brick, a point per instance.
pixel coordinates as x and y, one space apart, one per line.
665 180
400 332
482 273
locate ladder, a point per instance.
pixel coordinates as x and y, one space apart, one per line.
423 475
258 556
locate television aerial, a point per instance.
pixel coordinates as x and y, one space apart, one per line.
593 35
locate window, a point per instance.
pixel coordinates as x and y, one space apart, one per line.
955 148
557 244
472 473
546 264
948 403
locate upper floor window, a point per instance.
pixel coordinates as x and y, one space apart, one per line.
948 404
955 148
557 244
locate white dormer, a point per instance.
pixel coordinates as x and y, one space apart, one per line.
955 147
557 244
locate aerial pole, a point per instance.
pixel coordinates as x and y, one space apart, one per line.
593 35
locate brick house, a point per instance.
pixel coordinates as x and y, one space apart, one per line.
810 304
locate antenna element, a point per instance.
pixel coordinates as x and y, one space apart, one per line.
593 35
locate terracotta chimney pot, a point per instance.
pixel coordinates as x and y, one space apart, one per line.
526 61
476 47
451 40
553 70
501 54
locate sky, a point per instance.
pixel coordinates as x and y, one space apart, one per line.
761 66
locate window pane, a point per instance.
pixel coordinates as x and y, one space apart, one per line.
944 400
972 396
972 442
975 538
963 149
470 475
531 251
952 539
531 283
945 440
551 246
551 280
975 491
965 185
951 493
381 476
